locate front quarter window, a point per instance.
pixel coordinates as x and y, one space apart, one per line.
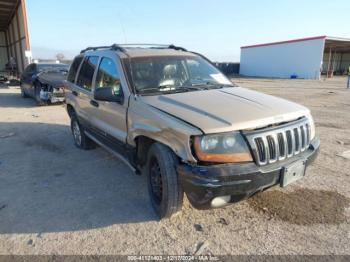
108 76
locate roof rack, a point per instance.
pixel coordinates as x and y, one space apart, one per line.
121 47
178 48
144 45
161 46
114 47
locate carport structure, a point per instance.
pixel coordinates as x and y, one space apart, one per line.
336 58
14 37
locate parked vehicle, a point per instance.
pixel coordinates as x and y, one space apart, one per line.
44 82
170 114
3 79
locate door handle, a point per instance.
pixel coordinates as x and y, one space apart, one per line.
75 93
94 103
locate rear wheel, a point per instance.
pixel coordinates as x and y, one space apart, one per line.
165 191
80 138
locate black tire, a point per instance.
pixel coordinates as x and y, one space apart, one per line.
80 139
23 94
170 198
37 88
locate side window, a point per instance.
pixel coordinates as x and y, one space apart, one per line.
74 69
108 76
30 69
87 72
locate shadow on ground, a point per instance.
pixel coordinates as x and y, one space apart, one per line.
48 185
302 206
14 100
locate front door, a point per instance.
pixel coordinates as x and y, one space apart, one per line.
110 117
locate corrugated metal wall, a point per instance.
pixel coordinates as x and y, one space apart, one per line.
3 51
15 40
302 59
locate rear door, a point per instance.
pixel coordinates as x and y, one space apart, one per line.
109 118
82 90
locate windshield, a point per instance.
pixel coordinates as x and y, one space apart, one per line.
60 68
175 74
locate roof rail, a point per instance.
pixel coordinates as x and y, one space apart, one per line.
155 46
178 48
114 47
144 45
117 47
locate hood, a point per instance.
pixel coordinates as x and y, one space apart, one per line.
227 109
55 79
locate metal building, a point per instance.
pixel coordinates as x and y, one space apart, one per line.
14 37
306 58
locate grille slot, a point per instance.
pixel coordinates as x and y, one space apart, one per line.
261 149
289 142
276 144
272 147
281 145
303 137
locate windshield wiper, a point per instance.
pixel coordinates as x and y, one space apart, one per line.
211 85
165 89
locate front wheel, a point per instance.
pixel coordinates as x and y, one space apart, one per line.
23 93
163 185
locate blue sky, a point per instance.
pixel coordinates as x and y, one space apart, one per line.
215 28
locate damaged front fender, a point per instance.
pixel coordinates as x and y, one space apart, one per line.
145 120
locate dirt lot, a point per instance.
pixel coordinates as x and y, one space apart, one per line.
56 199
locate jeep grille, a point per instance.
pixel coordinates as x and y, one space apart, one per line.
279 143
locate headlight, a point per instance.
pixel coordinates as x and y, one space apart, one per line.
222 148
312 126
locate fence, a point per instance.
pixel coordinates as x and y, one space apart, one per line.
228 68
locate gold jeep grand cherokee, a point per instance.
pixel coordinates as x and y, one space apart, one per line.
170 114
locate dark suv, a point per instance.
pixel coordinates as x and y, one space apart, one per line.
44 82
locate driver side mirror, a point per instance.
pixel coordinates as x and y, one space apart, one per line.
108 94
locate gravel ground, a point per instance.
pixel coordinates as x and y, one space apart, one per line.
56 199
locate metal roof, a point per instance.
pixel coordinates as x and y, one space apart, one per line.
7 11
338 44
287 42
330 41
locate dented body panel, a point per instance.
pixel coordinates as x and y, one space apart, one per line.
228 109
145 120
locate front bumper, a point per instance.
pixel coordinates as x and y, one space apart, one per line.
54 96
204 183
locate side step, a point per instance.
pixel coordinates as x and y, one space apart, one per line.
110 150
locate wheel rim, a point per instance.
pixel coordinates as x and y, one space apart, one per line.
76 133
156 181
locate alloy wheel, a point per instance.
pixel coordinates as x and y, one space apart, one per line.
77 133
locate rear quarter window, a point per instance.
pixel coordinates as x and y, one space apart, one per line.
86 72
74 69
